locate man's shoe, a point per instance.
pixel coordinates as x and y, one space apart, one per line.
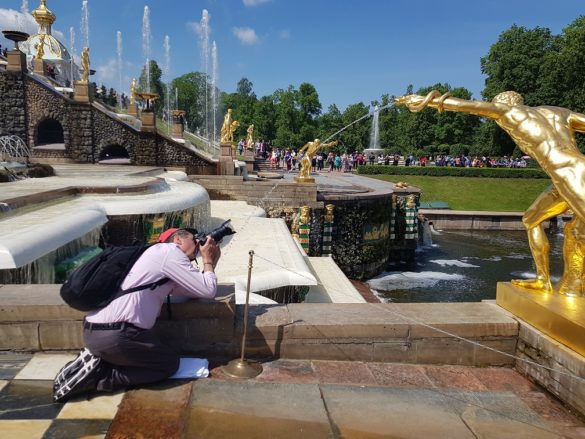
77 377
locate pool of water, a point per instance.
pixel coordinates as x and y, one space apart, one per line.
464 266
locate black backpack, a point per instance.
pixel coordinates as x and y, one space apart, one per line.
96 283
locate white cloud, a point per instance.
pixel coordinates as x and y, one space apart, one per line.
252 3
16 20
284 34
108 72
246 35
195 26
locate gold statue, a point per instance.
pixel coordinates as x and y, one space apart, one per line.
310 149
85 64
133 91
226 135
250 137
41 47
305 215
547 134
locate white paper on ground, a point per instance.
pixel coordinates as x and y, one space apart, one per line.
192 368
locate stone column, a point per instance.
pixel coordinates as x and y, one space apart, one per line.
39 66
327 230
226 159
148 121
133 109
16 61
81 91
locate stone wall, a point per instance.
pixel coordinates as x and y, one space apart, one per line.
565 363
12 105
268 195
26 101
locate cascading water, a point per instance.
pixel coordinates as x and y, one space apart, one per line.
24 7
146 44
214 91
85 22
204 44
167 47
375 131
72 50
119 52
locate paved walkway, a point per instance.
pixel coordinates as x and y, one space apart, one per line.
289 399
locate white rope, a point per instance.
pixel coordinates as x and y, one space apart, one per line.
533 363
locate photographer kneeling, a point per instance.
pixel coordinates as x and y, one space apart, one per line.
122 349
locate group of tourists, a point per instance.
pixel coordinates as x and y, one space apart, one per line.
463 161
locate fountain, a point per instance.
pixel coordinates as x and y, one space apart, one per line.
16 59
167 47
214 90
146 37
374 146
119 53
204 44
85 23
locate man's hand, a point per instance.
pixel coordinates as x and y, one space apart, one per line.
416 103
210 252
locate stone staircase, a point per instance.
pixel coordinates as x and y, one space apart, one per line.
261 164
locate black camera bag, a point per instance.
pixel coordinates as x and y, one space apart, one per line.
97 282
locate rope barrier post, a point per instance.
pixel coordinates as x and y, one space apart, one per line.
240 367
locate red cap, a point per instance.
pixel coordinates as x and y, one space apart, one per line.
166 235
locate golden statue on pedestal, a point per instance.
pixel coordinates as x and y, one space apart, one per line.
547 134
310 149
133 91
228 128
85 64
250 137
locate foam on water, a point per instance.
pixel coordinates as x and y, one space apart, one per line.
396 280
453 263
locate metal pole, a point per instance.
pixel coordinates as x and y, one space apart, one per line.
242 368
244 335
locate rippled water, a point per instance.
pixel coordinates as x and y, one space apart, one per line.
464 267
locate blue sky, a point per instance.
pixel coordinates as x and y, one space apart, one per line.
351 51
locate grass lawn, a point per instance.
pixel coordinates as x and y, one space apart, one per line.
465 193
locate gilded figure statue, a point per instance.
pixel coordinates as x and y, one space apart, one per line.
547 134
41 48
309 150
305 215
133 91
226 135
85 64
250 137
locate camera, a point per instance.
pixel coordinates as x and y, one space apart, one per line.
217 234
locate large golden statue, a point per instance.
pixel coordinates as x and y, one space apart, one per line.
548 135
85 64
227 129
310 149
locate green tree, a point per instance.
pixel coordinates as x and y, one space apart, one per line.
190 88
264 118
154 86
356 136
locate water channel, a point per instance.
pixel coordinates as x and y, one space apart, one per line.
464 266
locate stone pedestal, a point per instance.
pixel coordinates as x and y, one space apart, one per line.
16 61
148 122
560 317
81 91
177 130
226 150
39 66
304 179
133 109
249 154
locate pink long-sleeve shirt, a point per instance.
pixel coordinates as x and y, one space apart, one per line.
141 308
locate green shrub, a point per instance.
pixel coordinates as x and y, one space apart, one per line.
439 171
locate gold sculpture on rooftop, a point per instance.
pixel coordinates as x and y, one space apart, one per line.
309 150
547 134
85 64
41 47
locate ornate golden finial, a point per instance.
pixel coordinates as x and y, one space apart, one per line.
43 15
